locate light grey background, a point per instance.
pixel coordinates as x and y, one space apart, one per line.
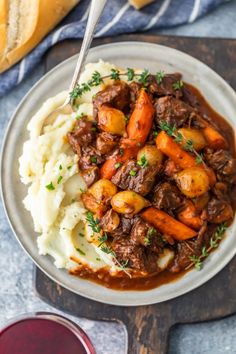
16 269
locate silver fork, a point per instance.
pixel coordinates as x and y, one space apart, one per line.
95 11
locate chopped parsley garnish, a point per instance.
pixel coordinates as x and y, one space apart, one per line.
69 167
178 85
94 224
133 173
59 179
60 167
147 241
143 161
81 190
93 159
98 259
81 234
80 251
159 76
118 165
151 232
50 187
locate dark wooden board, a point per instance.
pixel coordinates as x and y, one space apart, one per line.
148 326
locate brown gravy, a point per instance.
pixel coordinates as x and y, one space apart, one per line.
146 283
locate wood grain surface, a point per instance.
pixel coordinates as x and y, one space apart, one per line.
148 326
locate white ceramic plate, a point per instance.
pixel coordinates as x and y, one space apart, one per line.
133 54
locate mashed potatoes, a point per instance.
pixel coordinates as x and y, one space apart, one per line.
49 167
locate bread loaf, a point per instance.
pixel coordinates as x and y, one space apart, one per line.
138 4
23 23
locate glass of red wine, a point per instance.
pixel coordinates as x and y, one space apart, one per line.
44 333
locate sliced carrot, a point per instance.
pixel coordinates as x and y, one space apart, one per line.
167 225
170 148
181 157
109 167
214 138
140 122
189 216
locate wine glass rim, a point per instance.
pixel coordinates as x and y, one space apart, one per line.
54 317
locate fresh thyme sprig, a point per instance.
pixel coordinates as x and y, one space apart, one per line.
115 74
179 138
94 224
178 85
160 76
197 261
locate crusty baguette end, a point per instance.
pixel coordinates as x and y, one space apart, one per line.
23 24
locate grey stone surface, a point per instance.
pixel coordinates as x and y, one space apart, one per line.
16 269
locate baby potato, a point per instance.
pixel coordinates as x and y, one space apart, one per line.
192 181
128 202
111 120
196 136
102 189
92 204
151 155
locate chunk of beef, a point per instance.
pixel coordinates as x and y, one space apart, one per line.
144 234
116 95
167 197
220 190
91 175
185 250
135 88
110 221
219 211
190 98
133 177
172 111
166 86
106 142
125 226
170 168
126 251
221 161
90 157
82 135
136 256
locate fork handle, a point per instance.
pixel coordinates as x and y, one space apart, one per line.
95 11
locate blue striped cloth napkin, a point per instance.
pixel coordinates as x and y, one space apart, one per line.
118 17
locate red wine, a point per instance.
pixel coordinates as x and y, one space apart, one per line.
41 336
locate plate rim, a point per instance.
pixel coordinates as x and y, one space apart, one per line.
205 279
